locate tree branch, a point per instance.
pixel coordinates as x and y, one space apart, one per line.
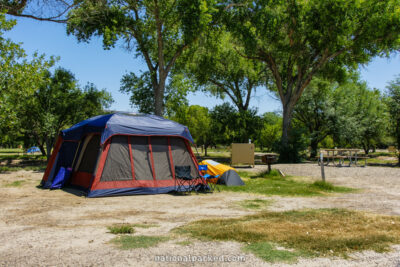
267 57
223 88
175 57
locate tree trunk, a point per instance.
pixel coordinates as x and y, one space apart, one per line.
314 148
365 147
40 144
285 153
159 97
205 150
158 102
49 146
41 147
286 124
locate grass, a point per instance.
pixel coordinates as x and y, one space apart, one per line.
7 157
12 162
40 167
140 241
255 204
373 161
384 154
11 150
121 229
274 184
144 225
244 174
320 232
269 253
15 183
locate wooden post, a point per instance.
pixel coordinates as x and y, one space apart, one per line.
321 159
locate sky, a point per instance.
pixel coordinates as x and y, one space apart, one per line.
91 63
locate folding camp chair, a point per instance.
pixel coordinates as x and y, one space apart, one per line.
209 179
184 182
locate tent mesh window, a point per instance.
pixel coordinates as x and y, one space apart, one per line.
89 159
141 158
181 155
162 162
118 164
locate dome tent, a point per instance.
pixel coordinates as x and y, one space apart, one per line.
226 174
122 154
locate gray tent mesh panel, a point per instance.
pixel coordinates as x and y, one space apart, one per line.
141 157
162 163
90 155
181 156
118 164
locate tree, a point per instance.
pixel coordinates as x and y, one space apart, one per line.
19 78
299 39
57 104
393 102
198 120
231 126
359 115
141 91
220 70
158 30
142 97
372 118
271 131
314 111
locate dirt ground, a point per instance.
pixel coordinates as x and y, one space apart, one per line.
52 228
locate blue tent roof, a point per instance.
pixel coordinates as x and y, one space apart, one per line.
126 124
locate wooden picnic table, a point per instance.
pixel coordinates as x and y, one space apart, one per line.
341 154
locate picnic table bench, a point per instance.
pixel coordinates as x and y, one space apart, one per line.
341 154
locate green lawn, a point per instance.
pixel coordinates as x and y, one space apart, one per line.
13 159
274 184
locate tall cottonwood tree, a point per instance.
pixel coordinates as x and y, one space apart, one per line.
298 39
157 30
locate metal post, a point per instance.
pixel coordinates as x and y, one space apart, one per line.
321 158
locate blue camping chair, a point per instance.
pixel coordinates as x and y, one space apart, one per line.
209 179
184 182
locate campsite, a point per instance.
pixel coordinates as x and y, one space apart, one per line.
74 229
200 133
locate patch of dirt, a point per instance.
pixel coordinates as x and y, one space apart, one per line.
43 227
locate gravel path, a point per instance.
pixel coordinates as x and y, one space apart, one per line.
379 187
56 228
